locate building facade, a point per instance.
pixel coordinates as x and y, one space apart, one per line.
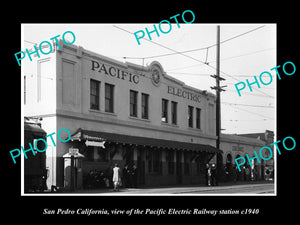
235 146
121 113
267 167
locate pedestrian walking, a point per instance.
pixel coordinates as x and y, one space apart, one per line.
207 175
134 176
214 180
116 177
126 181
235 173
44 179
247 172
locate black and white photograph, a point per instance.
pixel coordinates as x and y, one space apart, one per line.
123 114
133 112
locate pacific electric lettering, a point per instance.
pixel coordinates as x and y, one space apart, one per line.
268 149
164 31
184 94
114 72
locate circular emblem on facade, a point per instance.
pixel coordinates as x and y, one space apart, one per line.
155 77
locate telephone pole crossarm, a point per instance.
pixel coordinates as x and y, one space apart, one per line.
217 77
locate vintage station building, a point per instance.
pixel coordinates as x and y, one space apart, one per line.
119 113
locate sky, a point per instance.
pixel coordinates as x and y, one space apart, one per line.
246 50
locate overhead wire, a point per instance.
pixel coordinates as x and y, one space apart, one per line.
254 113
252 94
247 32
177 52
238 120
191 50
30 42
248 105
161 45
246 54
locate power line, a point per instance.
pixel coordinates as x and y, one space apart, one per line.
265 88
31 42
261 106
200 60
157 56
258 95
184 67
252 87
161 45
207 74
202 74
254 113
246 54
191 50
238 120
229 39
192 74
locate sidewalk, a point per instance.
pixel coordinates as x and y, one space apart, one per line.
177 189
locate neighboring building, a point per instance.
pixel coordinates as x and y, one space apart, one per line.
235 146
268 138
119 113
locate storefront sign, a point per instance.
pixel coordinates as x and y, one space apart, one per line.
184 94
114 72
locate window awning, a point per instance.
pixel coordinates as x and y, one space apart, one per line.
81 134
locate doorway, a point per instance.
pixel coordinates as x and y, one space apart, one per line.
141 165
178 167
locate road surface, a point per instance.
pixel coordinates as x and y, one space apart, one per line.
262 188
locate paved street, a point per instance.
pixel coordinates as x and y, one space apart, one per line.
244 188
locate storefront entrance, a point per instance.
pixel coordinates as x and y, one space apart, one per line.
141 166
147 154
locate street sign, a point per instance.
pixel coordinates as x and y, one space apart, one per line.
95 143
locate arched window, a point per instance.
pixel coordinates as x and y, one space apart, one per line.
229 158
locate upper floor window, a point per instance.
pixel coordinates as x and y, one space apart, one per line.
133 103
145 106
190 115
164 110
198 118
94 94
174 112
109 98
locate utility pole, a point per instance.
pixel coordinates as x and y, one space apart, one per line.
218 89
218 107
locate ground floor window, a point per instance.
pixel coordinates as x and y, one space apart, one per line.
96 154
